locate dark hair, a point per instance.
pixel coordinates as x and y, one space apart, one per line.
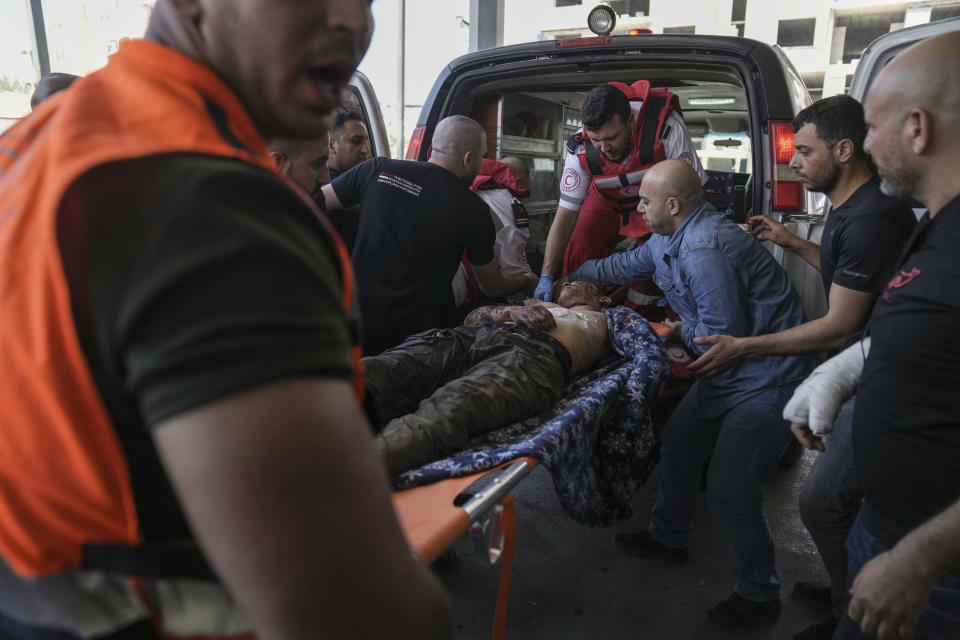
49 85
836 118
341 120
601 104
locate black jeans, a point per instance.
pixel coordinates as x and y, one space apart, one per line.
441 387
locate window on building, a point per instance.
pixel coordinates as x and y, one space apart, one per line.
796 33
687 29
630 7
738 16
847 79
857 31
568 3
942 13
814 82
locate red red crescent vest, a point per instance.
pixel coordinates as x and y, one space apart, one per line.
64 480
493 175
620 183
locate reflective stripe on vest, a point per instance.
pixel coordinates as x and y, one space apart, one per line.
64 480
92 604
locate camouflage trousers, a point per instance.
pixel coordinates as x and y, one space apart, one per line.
441 387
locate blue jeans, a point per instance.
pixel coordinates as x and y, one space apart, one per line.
940 619
830 500
745 443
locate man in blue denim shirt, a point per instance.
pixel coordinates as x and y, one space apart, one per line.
719 280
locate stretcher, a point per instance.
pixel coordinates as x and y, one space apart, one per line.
597 442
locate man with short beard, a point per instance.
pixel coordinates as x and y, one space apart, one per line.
904 547
719 280
861 240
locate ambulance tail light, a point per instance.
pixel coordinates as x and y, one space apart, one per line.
788 192
416 141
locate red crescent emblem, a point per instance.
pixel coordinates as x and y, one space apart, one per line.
570 180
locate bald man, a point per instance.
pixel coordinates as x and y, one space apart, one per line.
416 221
904 548
719 280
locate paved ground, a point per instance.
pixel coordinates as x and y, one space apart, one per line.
572 581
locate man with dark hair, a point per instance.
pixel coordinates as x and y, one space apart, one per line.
626 129
601 104
349 142
49 85
717 279
349 146
861 240
439 388
903 550
416 220
305 161
181 420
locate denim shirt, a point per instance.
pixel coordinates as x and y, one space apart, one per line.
720 280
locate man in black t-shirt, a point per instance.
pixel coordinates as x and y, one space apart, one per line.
416 221
904 548
864 232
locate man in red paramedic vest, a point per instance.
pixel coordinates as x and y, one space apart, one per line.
626 129
500 186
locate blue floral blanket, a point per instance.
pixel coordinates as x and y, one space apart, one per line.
598 440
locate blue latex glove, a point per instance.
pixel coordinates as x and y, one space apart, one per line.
544 290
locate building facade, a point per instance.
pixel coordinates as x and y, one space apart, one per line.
823 38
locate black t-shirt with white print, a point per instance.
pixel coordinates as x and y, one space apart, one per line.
416 221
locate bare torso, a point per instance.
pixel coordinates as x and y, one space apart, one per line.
582 331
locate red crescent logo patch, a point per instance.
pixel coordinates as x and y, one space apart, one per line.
570 180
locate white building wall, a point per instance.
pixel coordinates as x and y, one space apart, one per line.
528 20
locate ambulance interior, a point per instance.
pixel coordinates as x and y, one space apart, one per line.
534 118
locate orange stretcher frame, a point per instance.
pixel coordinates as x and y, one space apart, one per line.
432 521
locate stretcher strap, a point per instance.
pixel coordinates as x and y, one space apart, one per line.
506 568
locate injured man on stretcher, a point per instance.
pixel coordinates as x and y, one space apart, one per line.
441 387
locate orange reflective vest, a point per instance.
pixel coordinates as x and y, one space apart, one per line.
64 480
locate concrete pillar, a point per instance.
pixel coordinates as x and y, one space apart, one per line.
486 24
39 36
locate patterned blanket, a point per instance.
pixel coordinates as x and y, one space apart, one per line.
598 440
